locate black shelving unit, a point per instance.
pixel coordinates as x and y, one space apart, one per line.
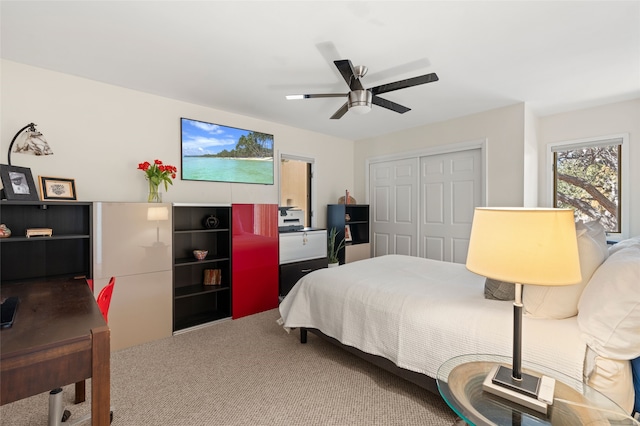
193 302
354 215
67 253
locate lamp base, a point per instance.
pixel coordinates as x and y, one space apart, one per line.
532 392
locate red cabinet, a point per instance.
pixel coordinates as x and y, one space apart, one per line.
254 257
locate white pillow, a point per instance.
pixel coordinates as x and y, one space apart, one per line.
609 309
596 231
559 302
613 378
629 242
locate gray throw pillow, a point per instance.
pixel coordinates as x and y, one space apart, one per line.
499 290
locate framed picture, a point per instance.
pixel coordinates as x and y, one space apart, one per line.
52 188
18 183
347 233
216 153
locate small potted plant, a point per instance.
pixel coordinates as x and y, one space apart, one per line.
333 249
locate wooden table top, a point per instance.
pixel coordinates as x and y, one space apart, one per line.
50 313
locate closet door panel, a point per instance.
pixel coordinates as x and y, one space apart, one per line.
393 196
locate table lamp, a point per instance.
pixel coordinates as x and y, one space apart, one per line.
535 246
157 214
33 143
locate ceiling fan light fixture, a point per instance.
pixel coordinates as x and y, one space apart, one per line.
360 101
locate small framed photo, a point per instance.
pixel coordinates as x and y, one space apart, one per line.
18 183
347 233
52 188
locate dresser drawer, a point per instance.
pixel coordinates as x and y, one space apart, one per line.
290 273
302 245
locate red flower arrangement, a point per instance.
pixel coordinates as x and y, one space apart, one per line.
156 173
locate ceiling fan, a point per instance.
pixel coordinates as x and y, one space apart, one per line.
359 99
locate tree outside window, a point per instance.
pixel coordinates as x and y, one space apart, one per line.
587 180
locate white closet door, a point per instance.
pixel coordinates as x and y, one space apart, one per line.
450 189
393 187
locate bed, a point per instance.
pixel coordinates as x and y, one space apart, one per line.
415 313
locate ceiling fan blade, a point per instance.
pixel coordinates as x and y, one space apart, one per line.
389 105
320 95
342 111
346 69
415 81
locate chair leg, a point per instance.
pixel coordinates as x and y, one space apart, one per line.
86 418
57 414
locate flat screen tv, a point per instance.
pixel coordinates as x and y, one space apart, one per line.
216 153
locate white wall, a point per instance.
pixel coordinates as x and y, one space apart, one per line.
503 130
531 159
621 117
516 143
99 133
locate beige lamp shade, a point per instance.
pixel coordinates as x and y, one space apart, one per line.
158 213
526 246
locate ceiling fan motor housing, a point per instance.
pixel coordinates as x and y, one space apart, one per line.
360 101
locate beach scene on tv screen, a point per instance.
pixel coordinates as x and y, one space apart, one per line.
212 152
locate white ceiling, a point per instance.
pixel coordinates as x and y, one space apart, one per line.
245 56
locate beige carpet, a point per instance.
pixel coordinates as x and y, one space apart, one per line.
247 372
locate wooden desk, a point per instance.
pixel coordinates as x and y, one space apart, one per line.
59 337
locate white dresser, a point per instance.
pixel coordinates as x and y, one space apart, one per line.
301 252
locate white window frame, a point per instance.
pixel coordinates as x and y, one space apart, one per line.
624 184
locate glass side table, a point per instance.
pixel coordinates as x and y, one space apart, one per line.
460 384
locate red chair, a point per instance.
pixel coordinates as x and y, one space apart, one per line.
56 413
104 298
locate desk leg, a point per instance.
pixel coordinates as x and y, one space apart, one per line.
81 393
100 377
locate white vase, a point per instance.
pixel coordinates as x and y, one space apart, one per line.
333 265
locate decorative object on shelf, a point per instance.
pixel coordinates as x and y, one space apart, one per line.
18 183
351 200
33 143
210 222
212 276
57 188
39 232
157 173
155 196
347 217
527 246
347 233
332 248
4 231
200 254
347 198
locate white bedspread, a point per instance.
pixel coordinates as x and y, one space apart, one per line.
418 313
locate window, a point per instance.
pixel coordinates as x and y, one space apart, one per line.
588 178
